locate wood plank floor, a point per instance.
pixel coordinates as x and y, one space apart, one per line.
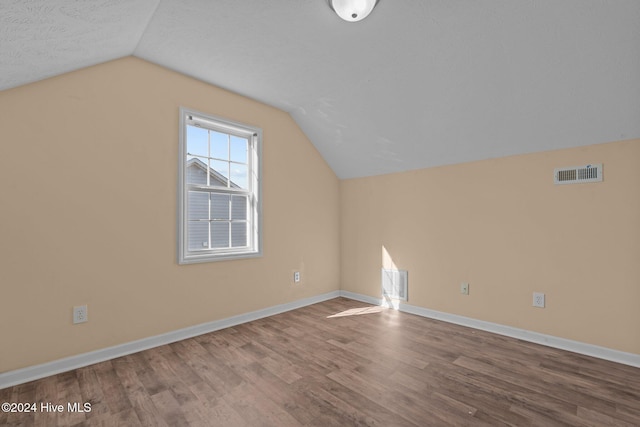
341 363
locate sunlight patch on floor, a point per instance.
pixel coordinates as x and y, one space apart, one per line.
357 311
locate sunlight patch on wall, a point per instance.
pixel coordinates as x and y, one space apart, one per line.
394 282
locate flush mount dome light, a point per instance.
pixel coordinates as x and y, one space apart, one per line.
352 10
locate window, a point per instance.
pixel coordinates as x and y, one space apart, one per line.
219 189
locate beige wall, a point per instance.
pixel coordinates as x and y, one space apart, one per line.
504 227
88 169
88 165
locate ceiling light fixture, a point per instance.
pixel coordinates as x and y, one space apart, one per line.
352 10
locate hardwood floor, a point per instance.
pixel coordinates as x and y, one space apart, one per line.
340 363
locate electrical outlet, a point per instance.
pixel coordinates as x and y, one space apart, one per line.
464 288
80 314
296 277
538 299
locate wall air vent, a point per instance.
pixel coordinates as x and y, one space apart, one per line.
577 174
394 284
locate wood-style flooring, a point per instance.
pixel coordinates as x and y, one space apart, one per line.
341 363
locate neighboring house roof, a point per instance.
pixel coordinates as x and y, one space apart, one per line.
195 162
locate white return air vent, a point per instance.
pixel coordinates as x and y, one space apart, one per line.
577 174
394 284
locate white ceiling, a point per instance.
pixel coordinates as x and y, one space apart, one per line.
419 83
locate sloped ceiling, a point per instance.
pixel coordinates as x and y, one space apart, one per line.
419 83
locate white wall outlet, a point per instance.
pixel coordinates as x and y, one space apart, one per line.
80 314
464 288
538 299
296 277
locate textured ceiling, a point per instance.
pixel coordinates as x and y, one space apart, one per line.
44 38
419 83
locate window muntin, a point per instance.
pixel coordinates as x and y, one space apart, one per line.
219 189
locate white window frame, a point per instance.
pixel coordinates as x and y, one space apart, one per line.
254 214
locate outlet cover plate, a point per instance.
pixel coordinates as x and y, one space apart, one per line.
464 288
296 277
80 314
538 299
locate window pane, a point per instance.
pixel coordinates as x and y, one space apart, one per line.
197 141
219 206
238 234
198 232
239 176
219 145
219 215
238 207
198 205
220 234
196 170
239 149
219 173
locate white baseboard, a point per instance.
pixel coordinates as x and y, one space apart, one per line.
20 376
617 356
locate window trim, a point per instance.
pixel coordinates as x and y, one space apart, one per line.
185 256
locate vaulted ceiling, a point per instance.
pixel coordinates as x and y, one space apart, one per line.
419 83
